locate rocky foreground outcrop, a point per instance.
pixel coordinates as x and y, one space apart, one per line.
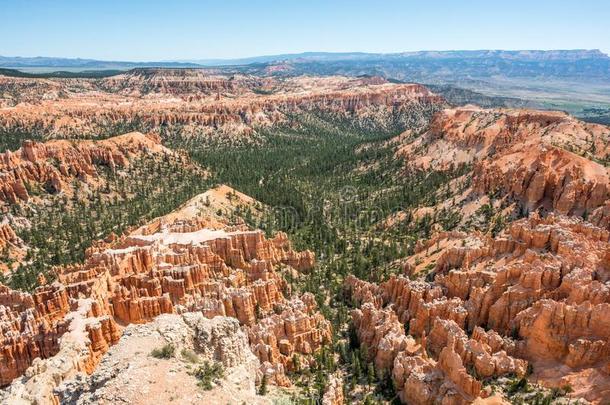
52 166
32 326
169 267
537 294
51 350
195 102
129 374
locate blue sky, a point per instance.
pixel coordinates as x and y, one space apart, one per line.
160 30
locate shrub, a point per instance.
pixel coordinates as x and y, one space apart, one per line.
164 352
518 385
208 374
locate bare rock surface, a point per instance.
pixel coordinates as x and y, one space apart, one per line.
78 350
129 374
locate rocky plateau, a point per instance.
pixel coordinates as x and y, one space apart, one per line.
194 102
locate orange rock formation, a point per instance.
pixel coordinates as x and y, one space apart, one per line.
540 159
178 267
11 246
32 326
536 294
7 235
53 165
195 101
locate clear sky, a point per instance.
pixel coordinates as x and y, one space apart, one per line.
141 30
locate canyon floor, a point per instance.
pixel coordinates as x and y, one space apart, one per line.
196 237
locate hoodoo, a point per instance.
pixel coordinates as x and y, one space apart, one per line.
308 228
133 279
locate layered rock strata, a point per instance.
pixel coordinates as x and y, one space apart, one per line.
197 102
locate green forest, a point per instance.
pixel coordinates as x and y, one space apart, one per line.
330 183
62 227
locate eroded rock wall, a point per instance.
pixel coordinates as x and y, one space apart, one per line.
196 102
538 294
53 165
539 159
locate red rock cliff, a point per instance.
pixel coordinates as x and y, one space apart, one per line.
53 165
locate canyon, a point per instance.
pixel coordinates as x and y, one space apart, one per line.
490 283
534 296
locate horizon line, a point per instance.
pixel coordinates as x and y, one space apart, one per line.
193 60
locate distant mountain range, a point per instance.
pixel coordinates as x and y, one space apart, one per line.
525 55
50 62
305 57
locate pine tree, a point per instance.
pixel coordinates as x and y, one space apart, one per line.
263 388
370 376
